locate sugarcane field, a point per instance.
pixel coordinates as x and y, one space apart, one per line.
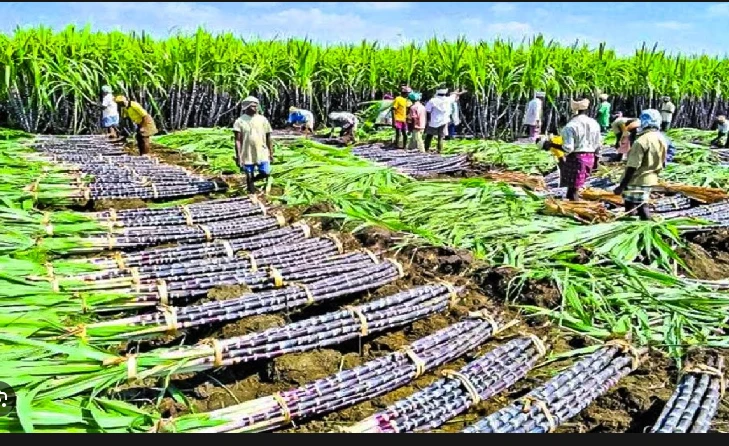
206 233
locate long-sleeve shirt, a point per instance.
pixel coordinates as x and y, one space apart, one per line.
667 111
581 135
533 113
301 117
603 114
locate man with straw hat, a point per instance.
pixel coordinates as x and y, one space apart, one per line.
580 142
253 143
109 112
303 118
533 116
646 159
723 127
142 120
667 111
603 113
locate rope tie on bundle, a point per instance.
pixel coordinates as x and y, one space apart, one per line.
206 230
307 291
112 214
170 315
465 382
135 276
188 216
398 266
46 223
87 193
162 291
276 276
537 341
304 228
372 256
626 348
452 293
228 248
119 260
357 314
703 369
485 316
217 351
417 360
251 259
130 360
263 208
337 242
541 405
84 306
280 220
50 271
80 331
284 407
111 242
155 192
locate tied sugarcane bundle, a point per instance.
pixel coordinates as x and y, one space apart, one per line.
293 234
583 211
670 204
706 195
346 388
544 409
412 162
135 238
183 288
454 394
67 370
718 212
530 182
170 320
310 250
695 401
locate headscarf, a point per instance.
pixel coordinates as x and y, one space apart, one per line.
582 105
441 92
721 119
666 98
414 96
292 109
540 94
604 96
387 97
120 98
650 118
250 100
406 89
106 89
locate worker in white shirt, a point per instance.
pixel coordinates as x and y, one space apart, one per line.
667 111
438 111
533 116
723 128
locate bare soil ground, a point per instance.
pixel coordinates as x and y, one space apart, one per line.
632 406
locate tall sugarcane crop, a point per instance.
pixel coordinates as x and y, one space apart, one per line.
346 388
170 320
544 409
695 401
481 379
77 370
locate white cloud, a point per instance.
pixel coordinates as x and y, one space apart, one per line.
383 6
502 8
510 28
673 25
721 9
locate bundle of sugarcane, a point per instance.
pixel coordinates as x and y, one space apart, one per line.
564 396
457 391
530 182
181 289
584 211
695 401
77 369
411 162
672 203
346 388
594 194
170 320
197 213
135 238
309 251
293 234
707 195
712 212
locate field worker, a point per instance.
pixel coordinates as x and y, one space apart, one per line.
109 112
418 121
438 111
626 130
348 123
603 113
533 116
253 143
303 118
384 118
581 141
723 128
667 111
554 145
455 117
646 160
400 116
141 119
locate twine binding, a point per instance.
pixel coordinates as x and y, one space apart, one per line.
529 400
626 348
276 276
162 291
703 369
465 382
188 216
284 407
417 360
206 230
356 313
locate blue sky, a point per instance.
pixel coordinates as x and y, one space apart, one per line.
685 27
